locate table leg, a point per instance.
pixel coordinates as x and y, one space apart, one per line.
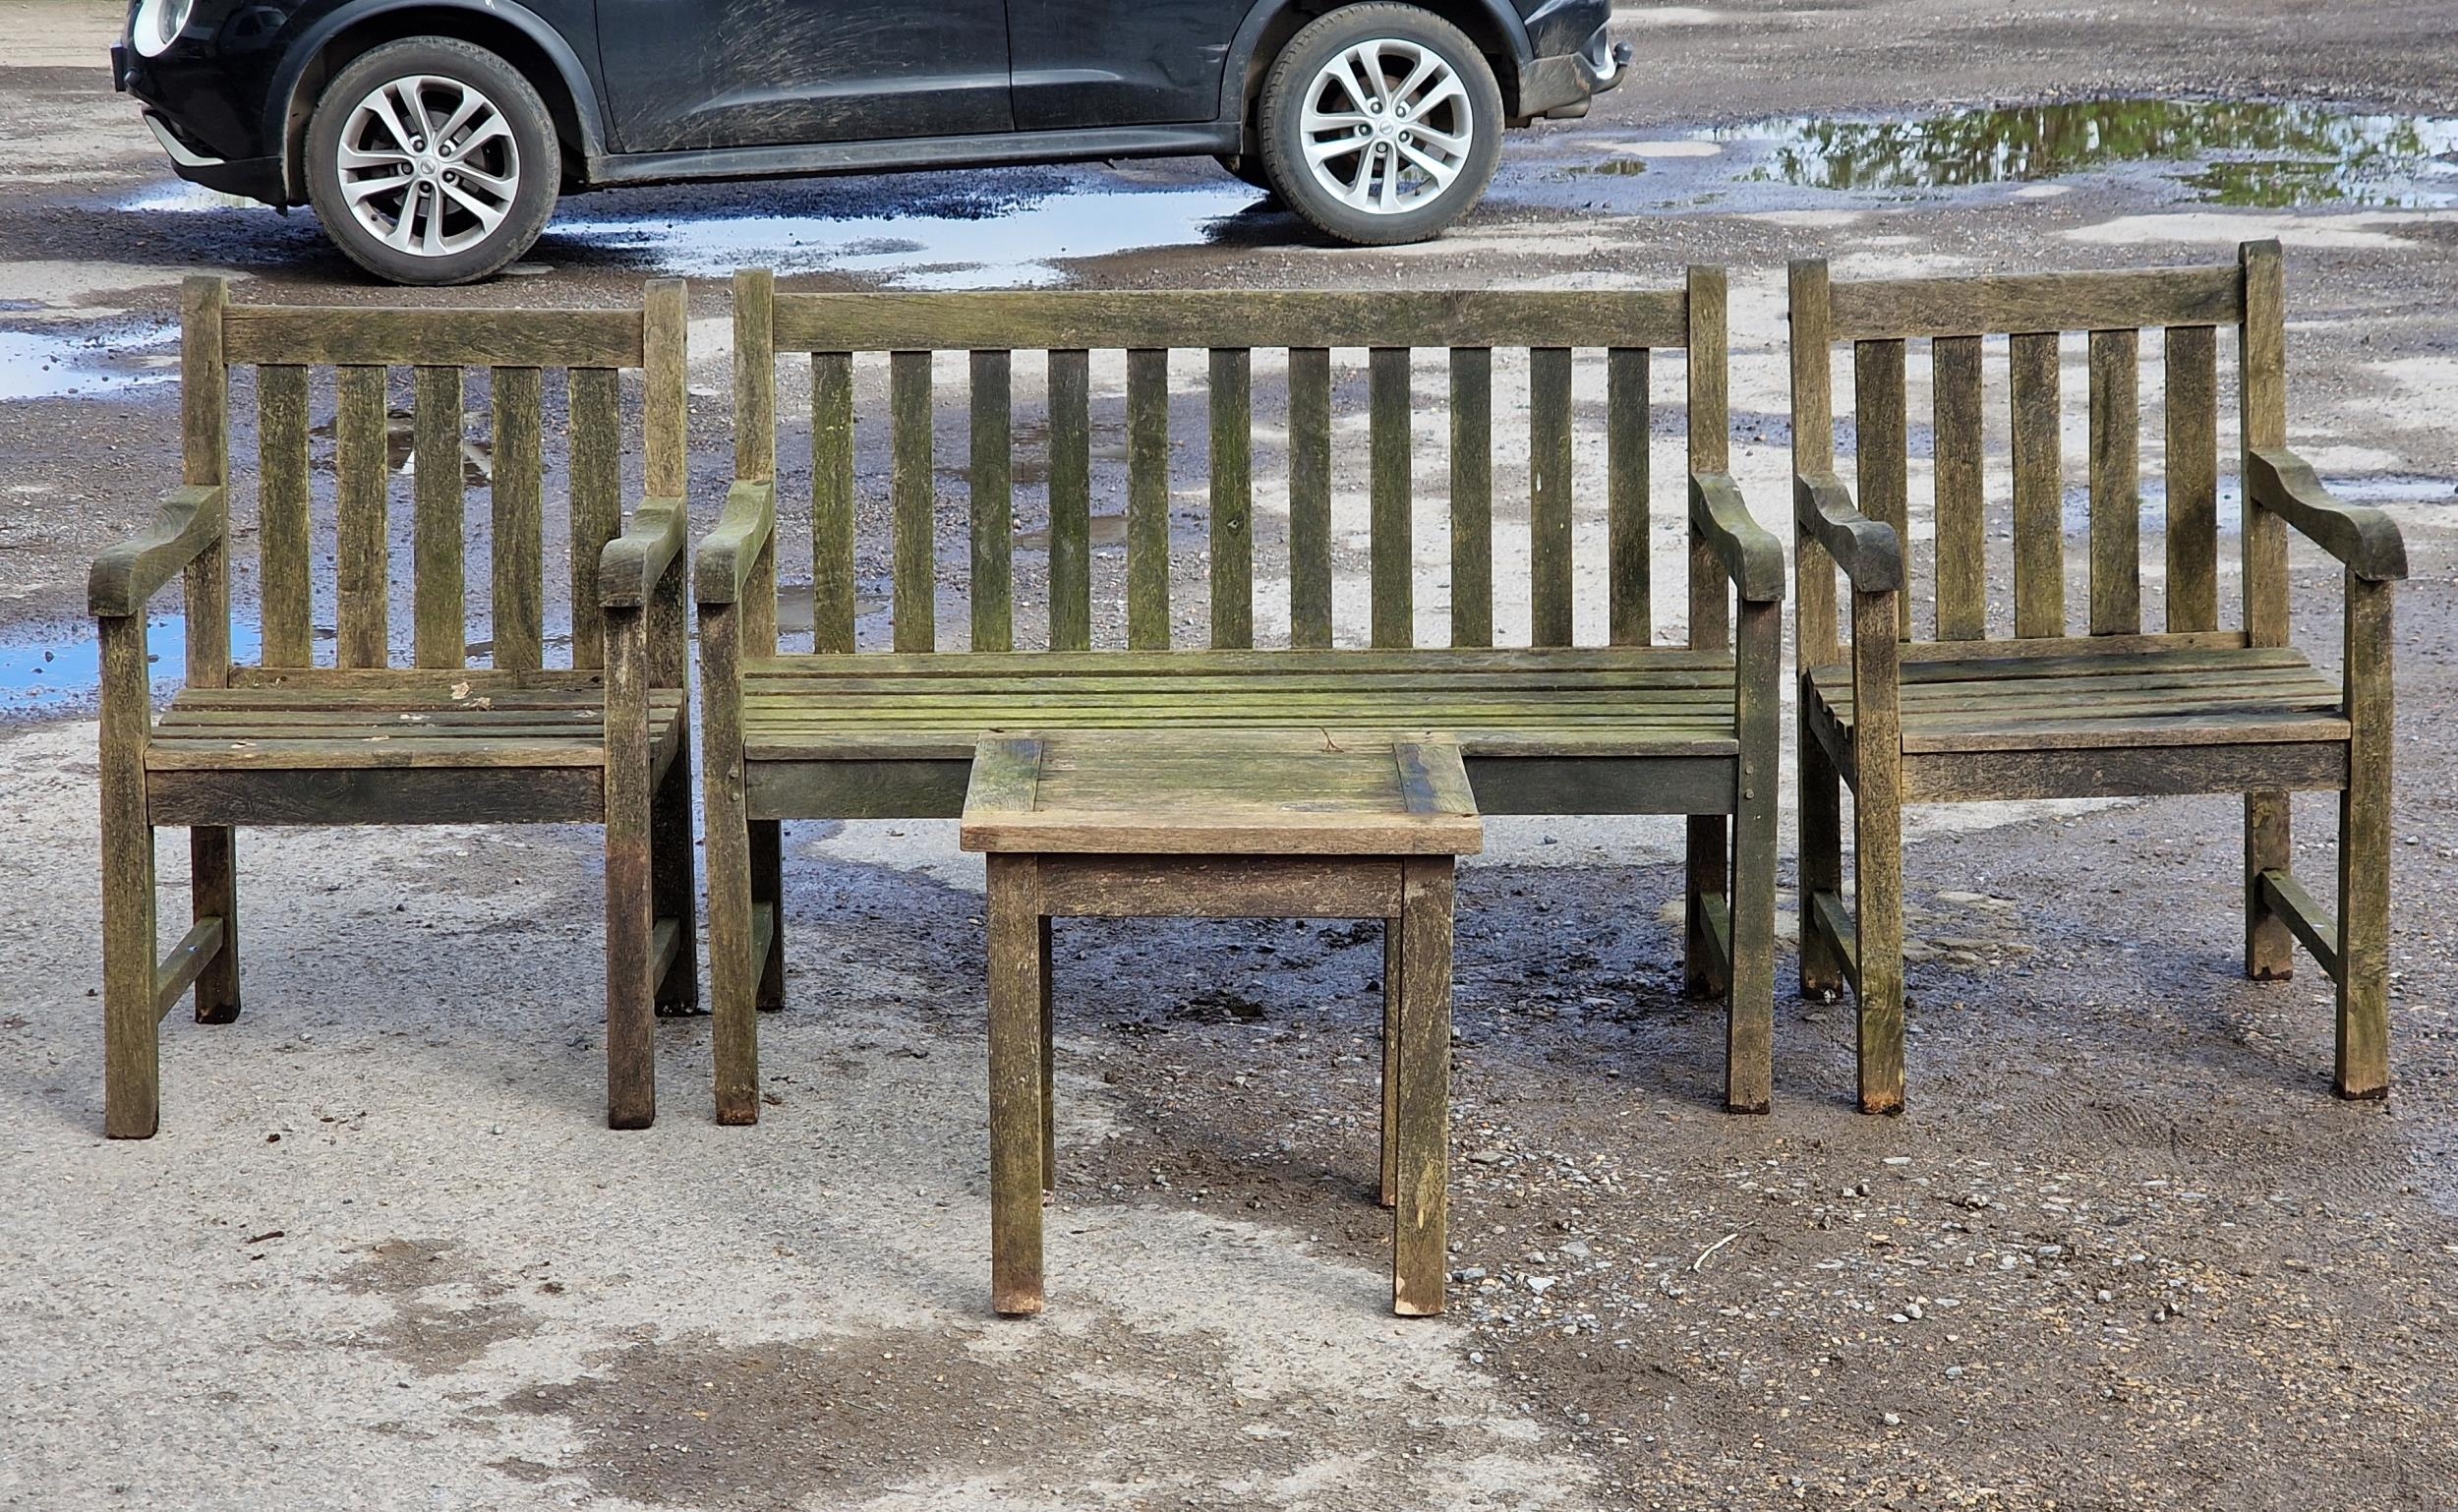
1390 1061
1017 1153
1050 1071
1420 1255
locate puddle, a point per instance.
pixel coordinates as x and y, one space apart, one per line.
401 444
181 198
62 673
2251 154
1015 247
41 365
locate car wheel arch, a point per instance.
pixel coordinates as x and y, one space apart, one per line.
513 31
1498 29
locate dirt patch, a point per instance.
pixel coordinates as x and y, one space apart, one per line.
446 1311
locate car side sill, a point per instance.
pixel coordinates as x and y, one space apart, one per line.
1195 138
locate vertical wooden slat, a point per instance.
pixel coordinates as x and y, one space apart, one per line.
1071 500
2039 488
1391 543
2365 823
911 495
2261 404
1706 872
1880 449
596 504
1550 586
2193 482
1233 497
362 470
131 1066
1630 609
1814 627
1310 496
1878 849
1962 594
1015 1101
517 496
1147 499
990 464
630 909
204 458
1472 495
755 374
832 501
439 573
284 552
664 415
2116 483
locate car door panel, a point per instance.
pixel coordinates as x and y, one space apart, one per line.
1091 63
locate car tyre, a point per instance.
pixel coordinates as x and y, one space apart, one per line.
1428 132
452 210
1246 169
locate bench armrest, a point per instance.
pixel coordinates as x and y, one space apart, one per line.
728 552
637 560
1865 548
2365 539
1751 556
127 576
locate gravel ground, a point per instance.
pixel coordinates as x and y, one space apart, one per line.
2123 1250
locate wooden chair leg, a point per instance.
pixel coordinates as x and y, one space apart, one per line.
1016 1155
1420 1249
1749 1025
1821 863
630 889
1878 870
213 878
131 1065
2269 944
671 883
1049 1068
1705 876
768 888
1391 1027
2364 850
734 963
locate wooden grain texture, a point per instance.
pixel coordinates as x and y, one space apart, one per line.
1962 518
990 482
1630 606
1897 307
1231 887
596 453
2193 478
190 521
1015 1101
131 1074
517 497
362 554
2262 418
1389 1138
1814 637
1034 321
1881 443
1310 496
912 499
438 580
733 968
1878 853
1749 1021
1147 498
316 797
1421 1257
284 551
756 374
832 501
331 335
1472 495
1550 588
2116 483
1391 538
2367 824
1071 499
630 914
1232 400
2039 487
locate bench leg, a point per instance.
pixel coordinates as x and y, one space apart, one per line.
1420 1249
2269 944
1878 871
131 1067
734 952
1821 863
1390 1061
672 881
213 878
1017 1154
1749 1025
768 888
2364 851
1049 1069
630 891
1705 876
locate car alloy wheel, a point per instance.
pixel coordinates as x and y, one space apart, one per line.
1386 125
428 165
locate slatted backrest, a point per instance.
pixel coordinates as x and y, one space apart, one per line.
1958 318
834 330
517 351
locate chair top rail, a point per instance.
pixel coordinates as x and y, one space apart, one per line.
310 336
1895 308
1183 320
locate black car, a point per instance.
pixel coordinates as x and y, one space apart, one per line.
432 136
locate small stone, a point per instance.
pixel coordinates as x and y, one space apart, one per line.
1542 1284
1488 1157
1894 1419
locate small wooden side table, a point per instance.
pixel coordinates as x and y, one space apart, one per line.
1212 823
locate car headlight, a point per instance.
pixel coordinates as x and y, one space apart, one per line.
159 23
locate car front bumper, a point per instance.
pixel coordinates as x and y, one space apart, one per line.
1560 85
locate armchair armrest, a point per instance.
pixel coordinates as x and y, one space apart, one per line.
637 561
727 553
1751 556
127 576
2365 539
1865 548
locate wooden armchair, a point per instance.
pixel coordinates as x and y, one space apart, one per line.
1972 715
364 741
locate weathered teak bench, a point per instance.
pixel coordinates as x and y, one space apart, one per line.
363 741
1627 727
1970 714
